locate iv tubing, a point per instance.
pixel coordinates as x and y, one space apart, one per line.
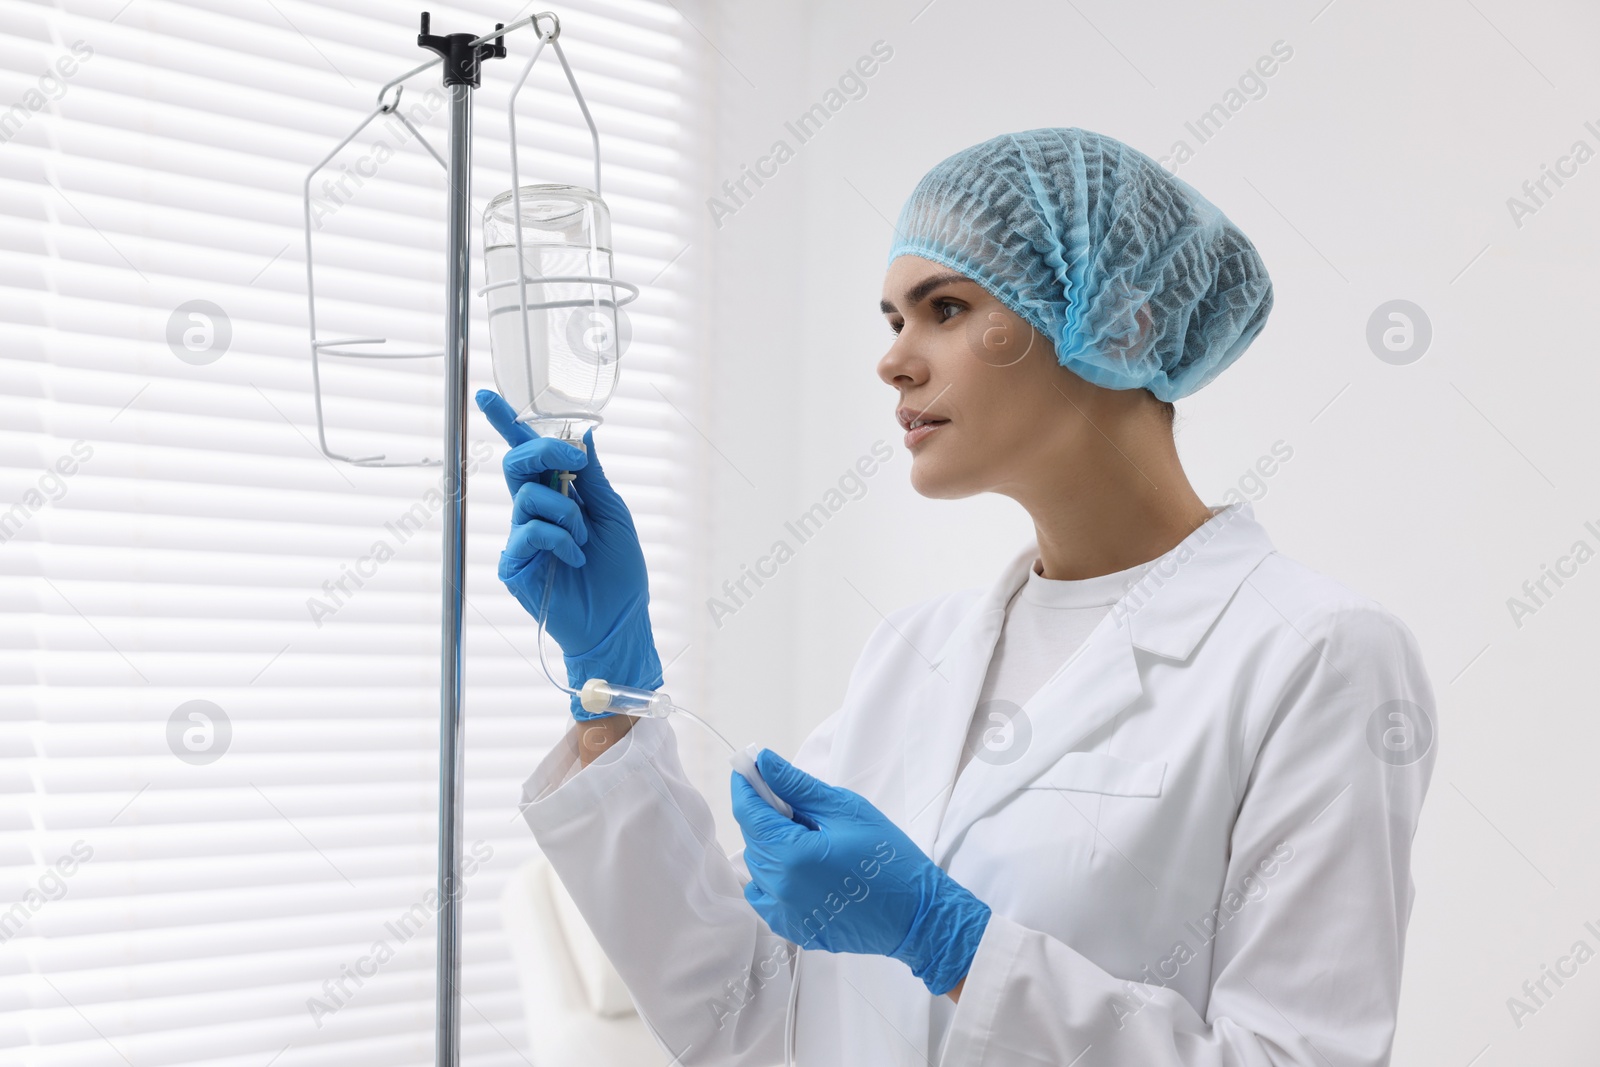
544 613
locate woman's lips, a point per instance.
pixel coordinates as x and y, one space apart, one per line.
921 432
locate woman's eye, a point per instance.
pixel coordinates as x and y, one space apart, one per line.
942 307
894 328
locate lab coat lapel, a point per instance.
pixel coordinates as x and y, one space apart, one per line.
1165 614
944 701
1091 690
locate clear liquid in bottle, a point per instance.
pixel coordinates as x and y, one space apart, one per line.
565 372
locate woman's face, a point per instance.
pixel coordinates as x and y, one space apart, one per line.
1005 413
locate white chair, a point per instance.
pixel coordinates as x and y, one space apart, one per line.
578 1012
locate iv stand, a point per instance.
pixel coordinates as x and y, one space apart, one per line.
462 55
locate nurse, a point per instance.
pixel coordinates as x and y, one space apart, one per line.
1146 800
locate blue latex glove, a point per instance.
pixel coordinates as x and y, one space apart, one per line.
843 878
599 604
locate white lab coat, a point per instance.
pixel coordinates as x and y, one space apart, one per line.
1200 854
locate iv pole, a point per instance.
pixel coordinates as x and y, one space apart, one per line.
462 55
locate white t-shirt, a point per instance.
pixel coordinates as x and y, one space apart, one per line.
1046 622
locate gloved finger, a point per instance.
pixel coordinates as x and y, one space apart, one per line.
524 579
760 822
534 459
535 501
503 417
600 497
525 571
765 904
772 910
779 919
536 535
804 793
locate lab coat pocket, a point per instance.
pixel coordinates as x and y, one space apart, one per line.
1096 772
1114 797
1088 827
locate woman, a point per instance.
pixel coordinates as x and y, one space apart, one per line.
1148 799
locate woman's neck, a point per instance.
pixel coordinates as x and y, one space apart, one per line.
1124 508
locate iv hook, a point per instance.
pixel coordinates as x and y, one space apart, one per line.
497 35
555 25
462 53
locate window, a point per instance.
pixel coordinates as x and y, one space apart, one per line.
218 648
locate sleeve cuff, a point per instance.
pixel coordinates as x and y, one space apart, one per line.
976 1012
560 789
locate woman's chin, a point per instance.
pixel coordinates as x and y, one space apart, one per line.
929 480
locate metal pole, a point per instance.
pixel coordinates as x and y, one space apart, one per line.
447 1040
462 54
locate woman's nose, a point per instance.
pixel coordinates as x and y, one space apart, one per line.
900 366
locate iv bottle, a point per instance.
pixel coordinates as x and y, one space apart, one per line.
560 373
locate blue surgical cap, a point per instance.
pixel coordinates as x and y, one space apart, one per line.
1139 281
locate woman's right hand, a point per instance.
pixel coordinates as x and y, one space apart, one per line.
599 599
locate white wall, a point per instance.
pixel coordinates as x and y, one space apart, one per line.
1377 166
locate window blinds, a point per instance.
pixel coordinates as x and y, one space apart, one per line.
219 649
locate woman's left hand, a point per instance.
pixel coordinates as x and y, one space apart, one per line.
599 610
843 878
